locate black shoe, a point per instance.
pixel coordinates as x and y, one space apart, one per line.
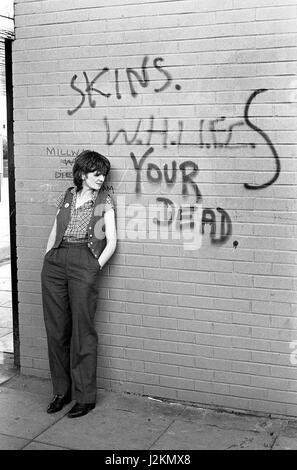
58 402
80 409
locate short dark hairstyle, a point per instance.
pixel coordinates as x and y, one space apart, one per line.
87 162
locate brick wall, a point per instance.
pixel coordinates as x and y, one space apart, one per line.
194 104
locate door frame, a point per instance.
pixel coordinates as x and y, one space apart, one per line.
12 203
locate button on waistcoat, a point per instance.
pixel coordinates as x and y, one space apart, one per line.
96 229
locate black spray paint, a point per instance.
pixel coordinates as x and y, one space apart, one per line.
266 139
135 80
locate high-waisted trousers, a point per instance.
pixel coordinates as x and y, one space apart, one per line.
69 281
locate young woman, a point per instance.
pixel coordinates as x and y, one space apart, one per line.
81 242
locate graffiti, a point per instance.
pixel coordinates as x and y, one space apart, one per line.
108 188
220 132
266 139
67 161
58 152
215 132
64 161
183 215
156 175
209 217
184 218
128 141
63 174
144 80
134 78
219 137
205 127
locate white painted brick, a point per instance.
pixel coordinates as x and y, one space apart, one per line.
277 13
262 4
233 16
163 346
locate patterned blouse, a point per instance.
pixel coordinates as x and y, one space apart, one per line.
77 228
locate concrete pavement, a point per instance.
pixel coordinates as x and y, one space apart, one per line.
128 422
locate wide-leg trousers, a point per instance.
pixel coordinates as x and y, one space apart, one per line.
69 282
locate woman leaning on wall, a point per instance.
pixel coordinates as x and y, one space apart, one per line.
82 240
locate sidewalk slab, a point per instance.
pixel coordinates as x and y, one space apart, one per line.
30 384
6 375
35 445
139 404
199 436
285 443
233 420
287 439
130 422
106 428
24 414
11 442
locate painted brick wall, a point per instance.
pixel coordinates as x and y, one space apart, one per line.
194 104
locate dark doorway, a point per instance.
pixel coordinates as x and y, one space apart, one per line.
9 322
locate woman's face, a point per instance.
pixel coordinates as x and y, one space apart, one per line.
93 180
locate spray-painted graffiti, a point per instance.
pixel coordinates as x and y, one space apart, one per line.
217 136
223 132
266 139
143 133
187 170
63 174
225 227
59 152
134 78
220 224
66 158
155 174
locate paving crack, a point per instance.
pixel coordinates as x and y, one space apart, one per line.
161 434
40 433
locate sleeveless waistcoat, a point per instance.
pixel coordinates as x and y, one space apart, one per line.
96 228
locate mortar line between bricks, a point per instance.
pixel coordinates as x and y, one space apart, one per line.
162 434
223 10
24 26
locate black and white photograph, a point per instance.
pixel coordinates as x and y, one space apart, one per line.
148 228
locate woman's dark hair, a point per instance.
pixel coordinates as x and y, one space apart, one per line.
87 162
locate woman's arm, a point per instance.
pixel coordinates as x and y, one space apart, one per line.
111 237
52 236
